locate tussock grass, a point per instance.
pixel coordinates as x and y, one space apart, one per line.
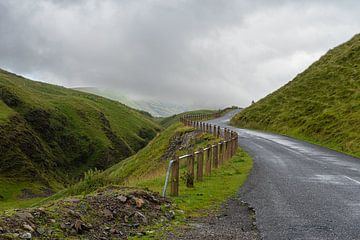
321 105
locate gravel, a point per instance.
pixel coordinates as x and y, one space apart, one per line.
236 220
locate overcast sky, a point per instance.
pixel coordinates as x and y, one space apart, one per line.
207 53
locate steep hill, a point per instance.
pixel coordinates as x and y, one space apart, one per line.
50 135
321 105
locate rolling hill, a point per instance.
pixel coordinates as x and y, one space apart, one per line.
321 105
51 135
155 108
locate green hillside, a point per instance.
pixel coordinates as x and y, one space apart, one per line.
155 108
321 105
168 121
50 135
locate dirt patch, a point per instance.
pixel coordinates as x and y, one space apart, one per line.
179 142
110 213
28 193
236 220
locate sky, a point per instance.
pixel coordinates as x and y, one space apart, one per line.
200 53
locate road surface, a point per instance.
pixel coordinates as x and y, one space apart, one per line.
300 190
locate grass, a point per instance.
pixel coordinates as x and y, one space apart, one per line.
209 193
149 163
206 196
147 169
321 105
5 112
168 121
51 135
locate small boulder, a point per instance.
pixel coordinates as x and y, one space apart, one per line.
25 216
26 235
108 214
122 198
139 202
77 225
28 227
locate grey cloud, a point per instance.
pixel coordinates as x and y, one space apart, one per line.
204 53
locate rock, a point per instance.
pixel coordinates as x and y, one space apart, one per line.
25 216
41 209
77 225
73 213
52 220
154 199
142 216
26 235
139 202
113 231
28 227
122 198
73 200
108 214
40 230
170 215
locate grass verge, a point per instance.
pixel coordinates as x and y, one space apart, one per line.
206 196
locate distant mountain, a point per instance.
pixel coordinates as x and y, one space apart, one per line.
50 135
320 105
155 108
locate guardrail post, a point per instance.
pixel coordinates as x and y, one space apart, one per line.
221 150
208 161
190 170
215 153
226 150
174 190
200 165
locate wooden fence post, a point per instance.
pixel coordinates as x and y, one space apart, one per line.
174 191
190 170
208 161
215 156
227 150
218 132
221 156
200 165
214 131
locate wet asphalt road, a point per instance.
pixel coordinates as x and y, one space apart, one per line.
300 190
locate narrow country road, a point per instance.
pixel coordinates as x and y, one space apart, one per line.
300 190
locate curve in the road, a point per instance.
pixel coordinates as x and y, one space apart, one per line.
300 190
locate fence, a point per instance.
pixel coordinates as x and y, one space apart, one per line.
206 158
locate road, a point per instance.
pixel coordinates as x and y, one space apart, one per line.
299 190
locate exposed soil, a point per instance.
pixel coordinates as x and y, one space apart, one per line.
110 213
236 220
28 193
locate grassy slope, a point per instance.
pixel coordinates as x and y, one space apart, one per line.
147 169
321 105
50 134
166 122
145 164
